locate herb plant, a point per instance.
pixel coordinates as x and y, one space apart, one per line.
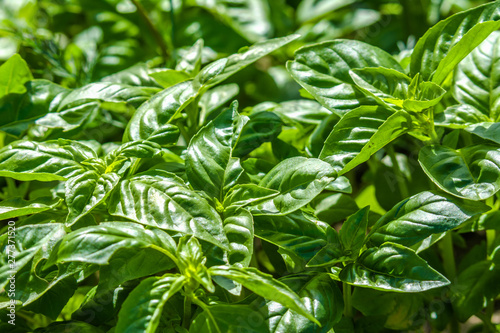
152 195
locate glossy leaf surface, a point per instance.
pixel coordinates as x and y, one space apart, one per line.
392 267
472 172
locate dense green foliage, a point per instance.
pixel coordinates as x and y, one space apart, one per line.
341 174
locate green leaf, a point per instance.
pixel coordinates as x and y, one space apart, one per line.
141 311
294 232
312 10
19 111
161 199
300 113
422 215
249 18
261 127
190 62
488 131
299 180
44 295
165 106
210 165
43 161
14 73
191 263
137 75
221 318
392 267
360 134
97 244
247 194
353 232
215 98
107 92
460 116
443 46
428 95
384 83
16 207
399 311
476 284
72 326
82 105
130 263
322 70
86 191
221 69
477 78
152 116
333 208
99 306
29 240
332 253
320 295
471 173
169 77
239 229
266 286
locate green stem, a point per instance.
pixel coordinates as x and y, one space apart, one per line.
187 312
403 189
454 326
165 252
448 256
488 327
11 187
347 299
207 310
156 34
490 241
184 132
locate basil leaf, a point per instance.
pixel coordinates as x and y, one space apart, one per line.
460 116
323 72
239 229
14 73
190 62
360 134
19 111
475 82
299 180
141 311
16 207
210 165
266 286
97 244
392 267
29 240
471 173
475 284
443 46
86 191
161 199
294 232
43 161
353 232
320 295
220 318
488 131
422 215
249 18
